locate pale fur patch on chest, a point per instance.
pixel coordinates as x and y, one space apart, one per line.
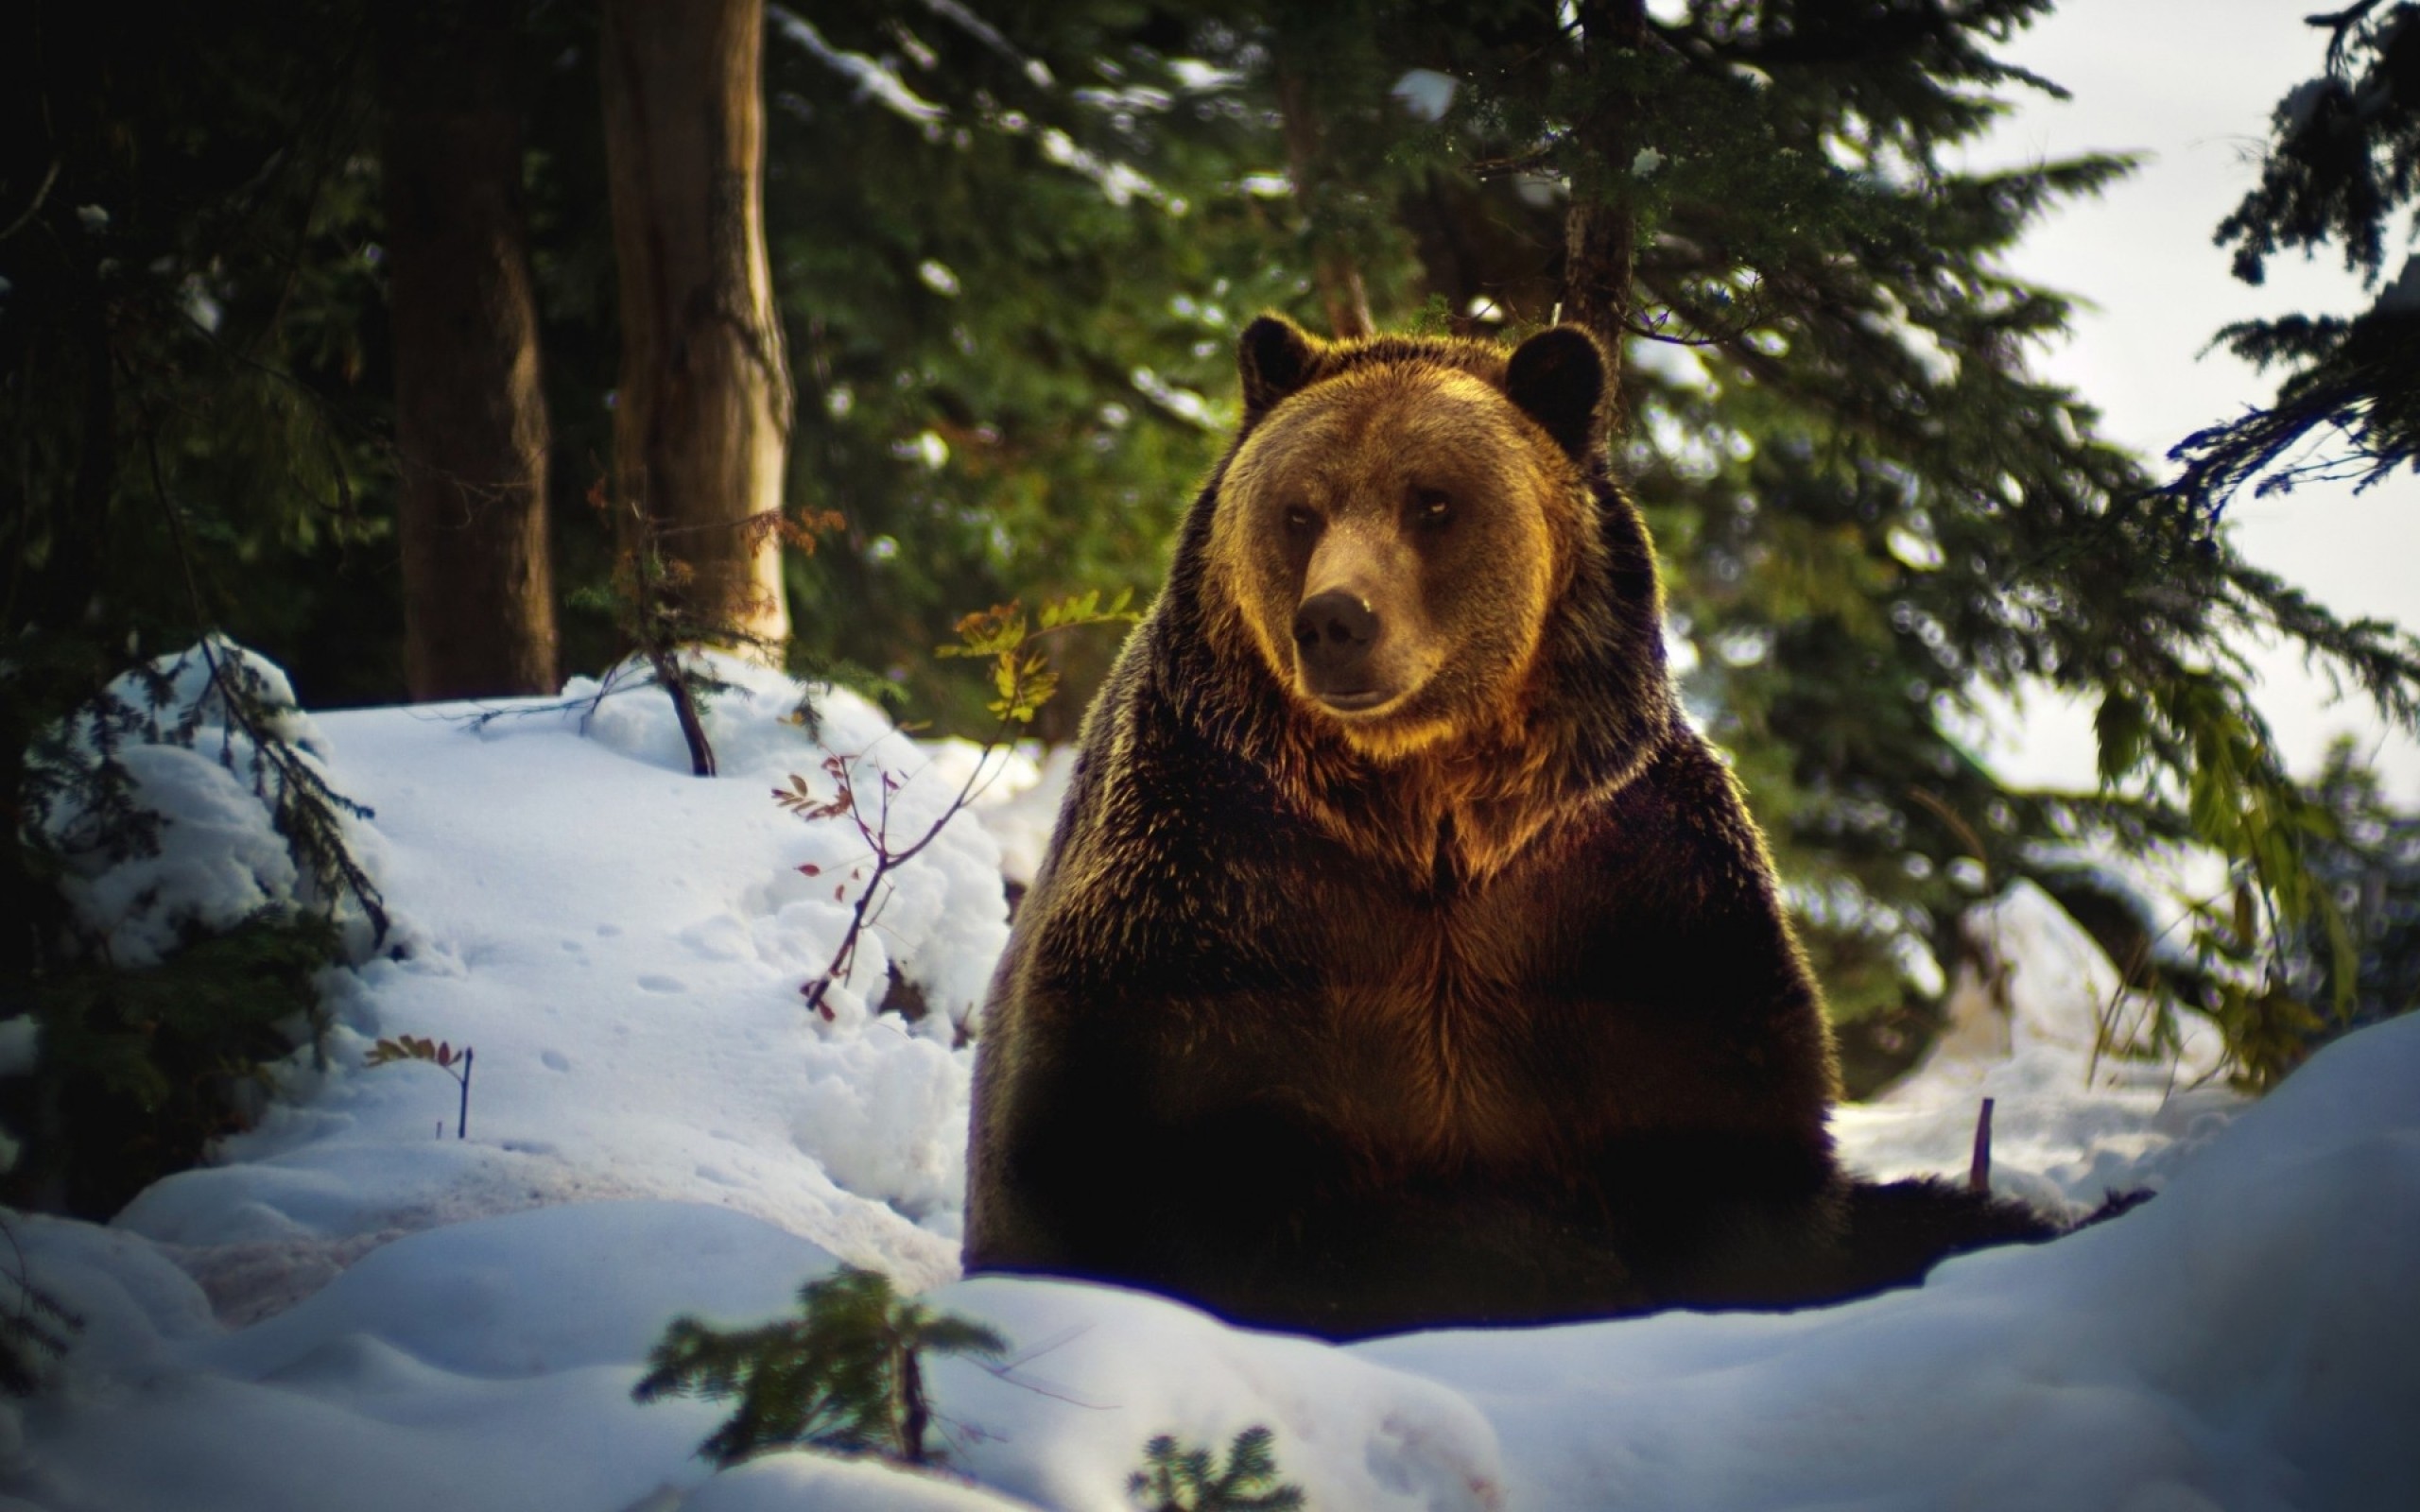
1426 1023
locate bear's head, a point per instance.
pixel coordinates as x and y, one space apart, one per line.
1400 524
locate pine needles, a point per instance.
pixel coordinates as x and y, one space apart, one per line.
847 1375
1176 1479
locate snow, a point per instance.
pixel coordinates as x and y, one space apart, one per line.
1184 403
2071 1127
20 1044
1424 92
353 1307
224 865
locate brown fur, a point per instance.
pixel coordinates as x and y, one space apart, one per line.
1474 1005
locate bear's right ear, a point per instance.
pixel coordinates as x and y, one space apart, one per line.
1276 358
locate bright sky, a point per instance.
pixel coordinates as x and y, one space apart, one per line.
2189 85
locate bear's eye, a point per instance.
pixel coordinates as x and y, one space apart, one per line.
1432 508
1300 519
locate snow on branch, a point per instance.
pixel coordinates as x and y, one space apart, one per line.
990 36
1118 182
874 81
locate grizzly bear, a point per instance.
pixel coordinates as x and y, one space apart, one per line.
1402 957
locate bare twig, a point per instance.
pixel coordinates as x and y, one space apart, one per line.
42 192
1022 678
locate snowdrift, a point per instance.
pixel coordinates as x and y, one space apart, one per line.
354 1309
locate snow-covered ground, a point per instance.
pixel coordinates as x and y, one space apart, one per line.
354 1309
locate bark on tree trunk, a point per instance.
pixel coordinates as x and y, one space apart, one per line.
702 417
1342 292
470 416
1598 251
1600 233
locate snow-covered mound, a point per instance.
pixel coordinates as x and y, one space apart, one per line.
355 1309
2071 1124
623 946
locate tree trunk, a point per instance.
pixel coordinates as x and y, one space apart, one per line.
1339 279
1599 231
470 416
915 1414
702 417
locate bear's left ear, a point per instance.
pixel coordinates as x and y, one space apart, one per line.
1558 379
1276 358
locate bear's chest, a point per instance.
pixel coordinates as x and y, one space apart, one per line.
1437 1030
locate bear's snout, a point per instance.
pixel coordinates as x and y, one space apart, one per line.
1334 634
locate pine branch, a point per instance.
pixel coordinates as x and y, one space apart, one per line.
303 808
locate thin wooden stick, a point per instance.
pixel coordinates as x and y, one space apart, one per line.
1979 1175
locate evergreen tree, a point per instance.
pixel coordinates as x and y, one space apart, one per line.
2343 157
186 311
2372 866
1013 261
193 354
1871 513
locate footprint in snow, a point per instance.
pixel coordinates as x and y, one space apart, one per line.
662 983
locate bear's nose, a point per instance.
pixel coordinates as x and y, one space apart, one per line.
1333 632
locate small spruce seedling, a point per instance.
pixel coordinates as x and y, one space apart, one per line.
35 1327
1175 1478
846 1374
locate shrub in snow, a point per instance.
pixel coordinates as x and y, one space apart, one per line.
896 887
753 715
190 796
140 1070
437 1052
1022 675
35 1327
939 916
210 872
847 1374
